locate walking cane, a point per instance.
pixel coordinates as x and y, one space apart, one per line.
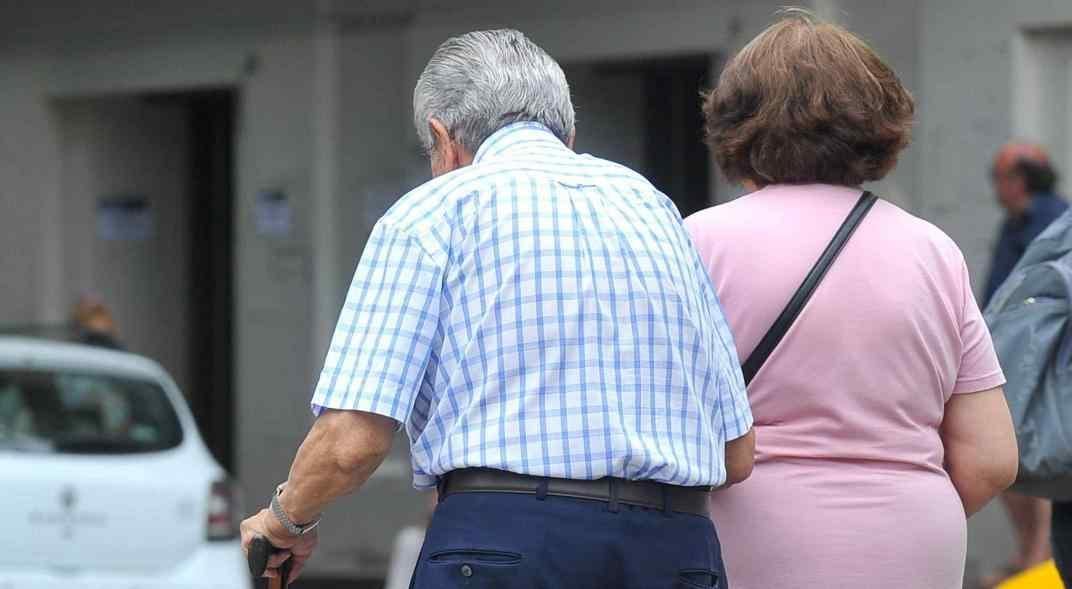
259 551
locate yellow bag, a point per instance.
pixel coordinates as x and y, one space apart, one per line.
1043 576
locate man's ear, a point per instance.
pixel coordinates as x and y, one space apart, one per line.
444 155
571 139
440 134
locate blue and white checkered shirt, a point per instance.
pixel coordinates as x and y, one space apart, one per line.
540 312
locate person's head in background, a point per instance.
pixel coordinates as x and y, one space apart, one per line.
480 82
94 323
1020 171
807 102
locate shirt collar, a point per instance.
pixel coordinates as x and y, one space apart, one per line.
1038 201
518 138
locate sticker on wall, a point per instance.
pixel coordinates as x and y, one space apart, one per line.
124 218
272 214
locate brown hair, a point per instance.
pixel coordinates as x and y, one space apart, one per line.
807 101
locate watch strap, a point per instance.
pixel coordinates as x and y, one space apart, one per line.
277 510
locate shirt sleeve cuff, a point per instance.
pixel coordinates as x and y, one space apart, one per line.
979 384
318 407
424 481
740 427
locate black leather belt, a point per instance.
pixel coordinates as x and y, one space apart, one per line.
609 490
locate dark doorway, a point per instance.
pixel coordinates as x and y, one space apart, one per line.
646 113
212 126
677 157
210 116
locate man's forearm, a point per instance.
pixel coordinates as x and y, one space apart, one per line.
340 453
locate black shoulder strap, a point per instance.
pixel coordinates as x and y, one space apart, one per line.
807 288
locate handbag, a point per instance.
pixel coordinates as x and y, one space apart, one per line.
800 298
1030 320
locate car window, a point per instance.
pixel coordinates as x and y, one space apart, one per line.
81 413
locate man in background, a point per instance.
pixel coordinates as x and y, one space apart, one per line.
1025 183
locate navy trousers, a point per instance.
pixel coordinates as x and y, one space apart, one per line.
1062 539
502 540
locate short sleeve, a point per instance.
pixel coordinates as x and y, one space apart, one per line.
381 344
979 368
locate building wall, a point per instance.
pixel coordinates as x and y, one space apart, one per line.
29 236
966 110
1042 91
130 148
273 305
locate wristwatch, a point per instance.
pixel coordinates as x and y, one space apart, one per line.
277 510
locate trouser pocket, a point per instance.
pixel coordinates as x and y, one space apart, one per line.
469 567
698 579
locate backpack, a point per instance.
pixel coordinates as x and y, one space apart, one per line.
1029 318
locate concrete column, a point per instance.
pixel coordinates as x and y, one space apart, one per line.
53 290
326 283
364 161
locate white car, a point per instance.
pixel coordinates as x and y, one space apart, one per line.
104 479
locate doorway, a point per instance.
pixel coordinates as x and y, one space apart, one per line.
211 122
646 114
148 216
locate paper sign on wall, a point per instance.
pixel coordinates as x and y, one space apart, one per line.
272 214
124 218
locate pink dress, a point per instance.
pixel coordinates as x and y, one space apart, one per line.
848 489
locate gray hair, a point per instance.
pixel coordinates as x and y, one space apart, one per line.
480 82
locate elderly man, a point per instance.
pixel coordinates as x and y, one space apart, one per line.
1025 183
542 328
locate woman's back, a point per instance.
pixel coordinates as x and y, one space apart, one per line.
849 486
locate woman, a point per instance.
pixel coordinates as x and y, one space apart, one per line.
880 419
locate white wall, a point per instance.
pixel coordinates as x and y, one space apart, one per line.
1042 92
966 110
30 244
119 148
273 368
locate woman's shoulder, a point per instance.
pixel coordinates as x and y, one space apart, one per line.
716 214
897 223
771 211
737 217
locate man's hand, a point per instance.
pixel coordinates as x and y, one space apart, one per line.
298 548
338 455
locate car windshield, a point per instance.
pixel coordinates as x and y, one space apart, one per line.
80 413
